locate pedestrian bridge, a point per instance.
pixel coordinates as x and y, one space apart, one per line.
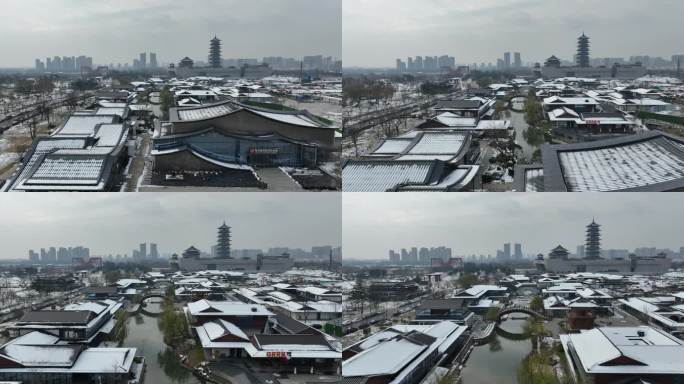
519 309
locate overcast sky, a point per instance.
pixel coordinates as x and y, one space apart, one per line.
376 32
480 223
117 31
117 223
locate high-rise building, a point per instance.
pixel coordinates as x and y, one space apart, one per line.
517 60
507 60
517 254
142 252
507 251
418 63
394 257
153 60
34 257
424 255
142 62
593 244
580 251
153 251
215 60
223 242
583 59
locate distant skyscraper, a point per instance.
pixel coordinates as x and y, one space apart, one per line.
583 59
34 257
593 245
215 52
143 60
413 256
518 251
153 251
507 60
142 253
394 257
507 251
418 63
223 242
153 60
517 60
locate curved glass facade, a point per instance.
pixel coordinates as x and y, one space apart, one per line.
272 151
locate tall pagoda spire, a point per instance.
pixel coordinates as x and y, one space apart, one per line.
592 248
583 51
215 60
223 242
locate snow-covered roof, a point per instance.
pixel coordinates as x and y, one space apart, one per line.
386 358
381 176
41 355
220 328
557 114
204 113
83 125
294 119
127 282
36 338
439 143
639 305
392 146
453 120
570 100
227 308
626 350
622 167
479 290
111 111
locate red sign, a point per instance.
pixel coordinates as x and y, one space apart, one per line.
278 355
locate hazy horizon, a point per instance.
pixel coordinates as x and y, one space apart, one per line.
479 223
377 32
117 223
117 32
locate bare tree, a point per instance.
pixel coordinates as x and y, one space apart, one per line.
33 128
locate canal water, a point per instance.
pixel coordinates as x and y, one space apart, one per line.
144 334
498 361
520 125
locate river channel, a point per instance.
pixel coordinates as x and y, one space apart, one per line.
498 361
144 334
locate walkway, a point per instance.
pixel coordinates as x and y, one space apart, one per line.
236 374
277 180
138 165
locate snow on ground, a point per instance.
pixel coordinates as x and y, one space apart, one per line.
7 159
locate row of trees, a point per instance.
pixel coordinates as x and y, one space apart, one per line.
172 323
166 101
42 86
539 130
357 90
120 326
432 88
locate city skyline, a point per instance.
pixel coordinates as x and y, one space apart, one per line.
481 223
455 28
117 224
172 29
